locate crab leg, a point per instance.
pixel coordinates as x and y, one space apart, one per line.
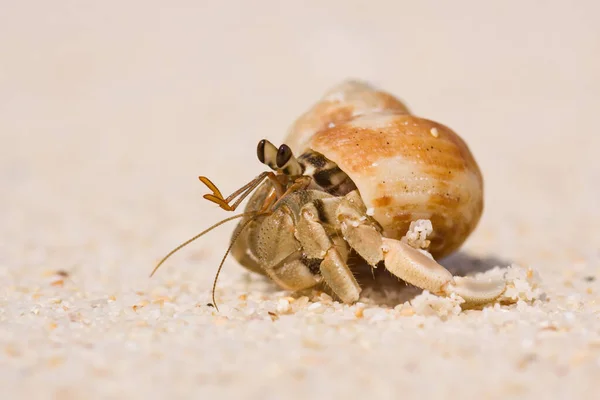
317 244
292 273
406 262
414 267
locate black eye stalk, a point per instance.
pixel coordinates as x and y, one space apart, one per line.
267 154
283 155
278 159
260 151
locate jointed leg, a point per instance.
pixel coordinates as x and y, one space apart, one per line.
293 273
416 268
406 262
279 253
338 276
318 244
362 235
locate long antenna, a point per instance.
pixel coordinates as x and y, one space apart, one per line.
233 239
198 236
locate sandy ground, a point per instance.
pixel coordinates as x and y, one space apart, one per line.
109 112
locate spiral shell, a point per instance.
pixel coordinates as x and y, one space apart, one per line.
405 167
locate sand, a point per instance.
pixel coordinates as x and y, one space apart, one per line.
109 112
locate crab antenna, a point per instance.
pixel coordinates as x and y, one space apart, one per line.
233 239
243 192
197 237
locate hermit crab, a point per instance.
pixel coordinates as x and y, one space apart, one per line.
353 173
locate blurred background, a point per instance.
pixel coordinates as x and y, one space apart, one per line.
110 110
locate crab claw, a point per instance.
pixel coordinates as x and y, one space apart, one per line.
416 268
476 291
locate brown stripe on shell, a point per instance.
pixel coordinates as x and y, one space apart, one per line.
405 172
372 137
340 104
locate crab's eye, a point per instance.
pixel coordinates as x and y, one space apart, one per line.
260 150
283 155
